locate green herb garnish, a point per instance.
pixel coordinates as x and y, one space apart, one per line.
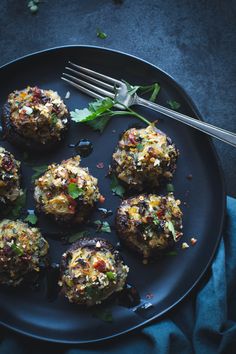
116 187
111 275
100 34
174 105
140 147
170 187
54 118
102 226
39 170
99 124
33 6
18 250
31 218
156 221
19 205
171 229
77 236
103 314
74 191
98 113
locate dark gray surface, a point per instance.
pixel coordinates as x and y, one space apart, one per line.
194 41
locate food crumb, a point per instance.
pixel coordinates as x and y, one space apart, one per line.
100 165
113 131
190 176
184 245
102 199
67 96
193 241
149 296
145 261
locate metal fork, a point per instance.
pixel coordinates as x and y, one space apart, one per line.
100 86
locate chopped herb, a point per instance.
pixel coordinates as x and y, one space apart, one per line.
32 5
174 105
31 218
171 229
54 118
140 147
156 221
77 236
39 170
171 253
111 275
101 35
19 205
170 187
18 250
116 187
102 226
103 314
74 191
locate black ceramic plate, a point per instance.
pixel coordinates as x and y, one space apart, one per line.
168 280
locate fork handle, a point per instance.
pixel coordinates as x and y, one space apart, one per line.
219 133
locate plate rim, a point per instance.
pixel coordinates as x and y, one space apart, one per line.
223 196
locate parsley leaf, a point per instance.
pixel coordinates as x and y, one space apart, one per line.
31 218
100 34
102 226
111 275
18 250
170 187
99 124
39 170
156 221
140 147
116 187
19 205
94 110
174 105
171 229
77 236
74 191
54 118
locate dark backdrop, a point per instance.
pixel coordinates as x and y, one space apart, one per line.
194 41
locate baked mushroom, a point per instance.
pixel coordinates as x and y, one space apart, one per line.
67 191
9 179
34 118
91 271
149 224
144 158
23 251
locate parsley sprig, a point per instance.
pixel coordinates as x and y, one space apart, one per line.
99 112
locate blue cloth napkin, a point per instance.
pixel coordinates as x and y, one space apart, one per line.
205 322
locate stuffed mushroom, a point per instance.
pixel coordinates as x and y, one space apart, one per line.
23 251
149 224
91 271
9 179
67 191
34 118
144 158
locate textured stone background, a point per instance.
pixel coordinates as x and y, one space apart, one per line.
194 41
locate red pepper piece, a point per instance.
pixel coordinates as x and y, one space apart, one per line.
100 265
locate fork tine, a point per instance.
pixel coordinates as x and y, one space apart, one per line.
96 74
90 86
90 78
83 89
